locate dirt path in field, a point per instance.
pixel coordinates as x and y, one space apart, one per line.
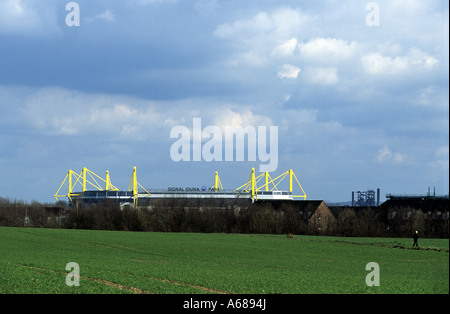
133 289
205 289
102 281
119 286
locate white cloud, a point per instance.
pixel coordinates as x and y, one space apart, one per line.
386 155
288 71
27 17
327 49
248 58
263 36
286 49
426 95
64 112
442 163
281 24
57 111
432 97
107 16
243 117
420 59
442 151
398 158
375 63
322 75
149 2
261 22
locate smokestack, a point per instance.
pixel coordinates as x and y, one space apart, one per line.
378 197
353 199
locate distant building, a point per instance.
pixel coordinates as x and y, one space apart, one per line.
322 219
432 206
314 213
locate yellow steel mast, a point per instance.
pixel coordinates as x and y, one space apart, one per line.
82 178
133 186
217 183
252 184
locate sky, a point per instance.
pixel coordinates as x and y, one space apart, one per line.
358 90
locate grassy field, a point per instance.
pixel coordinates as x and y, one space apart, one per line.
34 261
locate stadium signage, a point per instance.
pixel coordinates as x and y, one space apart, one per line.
186 189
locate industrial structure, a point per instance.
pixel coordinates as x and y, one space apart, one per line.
94 189
365 198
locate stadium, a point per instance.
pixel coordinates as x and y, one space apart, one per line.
95 189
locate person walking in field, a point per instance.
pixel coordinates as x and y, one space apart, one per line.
416 239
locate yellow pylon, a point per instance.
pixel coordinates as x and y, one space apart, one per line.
82 178
217 183
252 184
133 186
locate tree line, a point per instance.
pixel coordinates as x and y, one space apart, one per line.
175 216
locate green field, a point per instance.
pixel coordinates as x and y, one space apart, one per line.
34 261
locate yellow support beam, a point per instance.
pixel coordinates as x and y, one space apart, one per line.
133 186
253 184
217 183
267 181
70 193
290 180
82 178
270 184
70 181
107 181
304 194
